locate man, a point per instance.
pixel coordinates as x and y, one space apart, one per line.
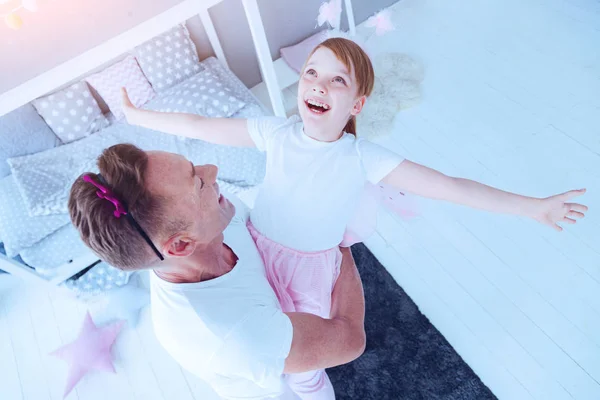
212 307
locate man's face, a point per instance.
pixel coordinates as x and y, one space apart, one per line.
192 195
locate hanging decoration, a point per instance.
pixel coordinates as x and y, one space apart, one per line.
330 12
381 22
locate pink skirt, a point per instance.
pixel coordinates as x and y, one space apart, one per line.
302 281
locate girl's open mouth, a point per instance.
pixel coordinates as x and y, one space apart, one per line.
317 107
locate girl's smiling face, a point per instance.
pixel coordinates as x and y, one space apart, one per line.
327 95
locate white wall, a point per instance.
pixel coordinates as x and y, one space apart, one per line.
65 28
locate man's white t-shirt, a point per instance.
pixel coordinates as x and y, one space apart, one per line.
229 331
311 188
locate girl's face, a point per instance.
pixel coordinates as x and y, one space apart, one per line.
327 93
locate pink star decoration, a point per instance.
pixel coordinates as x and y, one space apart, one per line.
382 22
330 12
89 352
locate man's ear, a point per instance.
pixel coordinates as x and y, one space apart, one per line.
179 246
358 105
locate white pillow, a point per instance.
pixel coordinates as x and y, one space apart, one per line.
72 113
202 94
169 58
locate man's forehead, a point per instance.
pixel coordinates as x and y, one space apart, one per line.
165 170
166 159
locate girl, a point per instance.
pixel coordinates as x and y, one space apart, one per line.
316 171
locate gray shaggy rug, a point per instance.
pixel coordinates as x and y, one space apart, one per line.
406 357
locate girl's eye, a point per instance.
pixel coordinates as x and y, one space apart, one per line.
311 72
339 79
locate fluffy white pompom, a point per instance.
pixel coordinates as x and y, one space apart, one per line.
398 80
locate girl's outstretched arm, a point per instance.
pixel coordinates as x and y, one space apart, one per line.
225 131
428 182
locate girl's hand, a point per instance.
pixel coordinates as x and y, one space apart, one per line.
552 210
128 107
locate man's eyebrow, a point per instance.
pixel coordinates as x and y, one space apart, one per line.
193 170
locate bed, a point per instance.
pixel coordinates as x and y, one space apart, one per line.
37 240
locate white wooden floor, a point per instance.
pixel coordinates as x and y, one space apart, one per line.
511 98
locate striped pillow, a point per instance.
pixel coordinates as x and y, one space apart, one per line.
125 73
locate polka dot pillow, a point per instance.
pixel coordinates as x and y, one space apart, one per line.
71 113
18 229
125 73
202 94
99 279
168 59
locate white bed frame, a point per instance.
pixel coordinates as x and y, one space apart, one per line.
276 75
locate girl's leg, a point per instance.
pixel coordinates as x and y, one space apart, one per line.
310 289
303 283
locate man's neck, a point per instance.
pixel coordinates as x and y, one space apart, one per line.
208 262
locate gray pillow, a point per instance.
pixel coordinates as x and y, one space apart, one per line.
168 59
54 250
17 229
101 278
72 113
202 94
22 132
44 179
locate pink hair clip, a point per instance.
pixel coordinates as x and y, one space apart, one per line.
105 193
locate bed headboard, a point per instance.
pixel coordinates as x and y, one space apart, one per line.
155 17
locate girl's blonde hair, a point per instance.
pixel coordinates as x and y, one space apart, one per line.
354 59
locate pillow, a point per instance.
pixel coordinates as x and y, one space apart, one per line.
169 58
295 56
202 94
18 230
100 278
22 132
125 73
72 113
55 250
44 179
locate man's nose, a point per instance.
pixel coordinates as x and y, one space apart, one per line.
208 173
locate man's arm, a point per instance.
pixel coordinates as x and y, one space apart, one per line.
323 343
224 131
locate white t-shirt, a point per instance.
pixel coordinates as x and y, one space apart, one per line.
229 331
312 188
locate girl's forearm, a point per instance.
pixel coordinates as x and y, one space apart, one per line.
179 124
477 195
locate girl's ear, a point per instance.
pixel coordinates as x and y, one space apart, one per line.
358 105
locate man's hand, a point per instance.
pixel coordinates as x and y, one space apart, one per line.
323 343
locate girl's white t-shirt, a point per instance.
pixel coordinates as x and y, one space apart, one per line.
312 188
